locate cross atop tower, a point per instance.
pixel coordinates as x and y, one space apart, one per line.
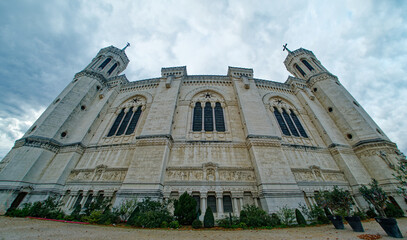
285 48
128 45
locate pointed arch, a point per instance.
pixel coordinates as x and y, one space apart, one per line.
103 65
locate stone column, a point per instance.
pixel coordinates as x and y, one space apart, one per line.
69 202
219 198
203 202
241 203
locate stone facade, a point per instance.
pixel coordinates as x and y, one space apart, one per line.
227 140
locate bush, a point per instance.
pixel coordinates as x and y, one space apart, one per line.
196 224
164 224
255 217
315 213
300 218
185 209
338 201
209 220
392 210
371 213
125 209
48 208
94 217
361 215
275 220
287 215
174 224
75 214
228 222
375 196
149 214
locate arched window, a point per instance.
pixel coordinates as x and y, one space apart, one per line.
103 65
306 63
116 123
290 124
299 70
219 119
298 124
212 203
133 122
125 122
208 117
89 200
197 121
281 122
112 68
78 200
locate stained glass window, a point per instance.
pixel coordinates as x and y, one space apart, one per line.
298 124
208 117
281 122
219 119
197 121
116 123
125 122
306 63
290 124
103 65
133 121
112 69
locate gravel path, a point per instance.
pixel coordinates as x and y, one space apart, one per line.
24 228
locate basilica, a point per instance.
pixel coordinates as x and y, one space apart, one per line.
228 140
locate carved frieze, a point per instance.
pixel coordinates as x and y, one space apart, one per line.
100 173
316 174
210 172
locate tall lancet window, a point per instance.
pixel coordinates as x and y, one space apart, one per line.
219 119
116 123
125 122
197 121
306 63
103 65
298 124
133 122
300 70
208 117
281 122
290 124
112 69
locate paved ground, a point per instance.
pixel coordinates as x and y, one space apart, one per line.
24 228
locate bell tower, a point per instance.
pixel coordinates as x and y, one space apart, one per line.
363 136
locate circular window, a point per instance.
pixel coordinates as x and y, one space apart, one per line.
75 80
83 107
356 103
63 134
378 131
315 89
349 136
98 87
57 100
330 109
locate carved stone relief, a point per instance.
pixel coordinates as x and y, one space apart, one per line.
100 173
316 174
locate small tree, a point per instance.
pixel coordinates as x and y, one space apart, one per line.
287 215
126 208
375 196
209 220
337 200
299 217
401 176
185 209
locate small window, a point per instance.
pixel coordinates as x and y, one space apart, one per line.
219 119
227 204
290 124
208 117
349 136
197 121
103 65
212 203
300 70
306 63
83 107
330 109
125 122
281 122
116 123
63 134
133 122
112 69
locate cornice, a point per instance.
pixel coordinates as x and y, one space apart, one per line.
97 76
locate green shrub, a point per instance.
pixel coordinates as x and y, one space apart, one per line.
75 214
275 220
371 213
393 211
196 224
228 222
49 208
242 225
361 215
185 209
300 218
164 224
375 195
209 220
255 217
174 224
149 214
125 209
94 217
287 215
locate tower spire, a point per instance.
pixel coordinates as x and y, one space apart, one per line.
285 48
128 45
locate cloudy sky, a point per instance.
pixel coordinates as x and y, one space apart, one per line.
44 43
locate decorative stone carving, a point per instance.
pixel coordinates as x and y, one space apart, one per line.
316 174
383 155
99 174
